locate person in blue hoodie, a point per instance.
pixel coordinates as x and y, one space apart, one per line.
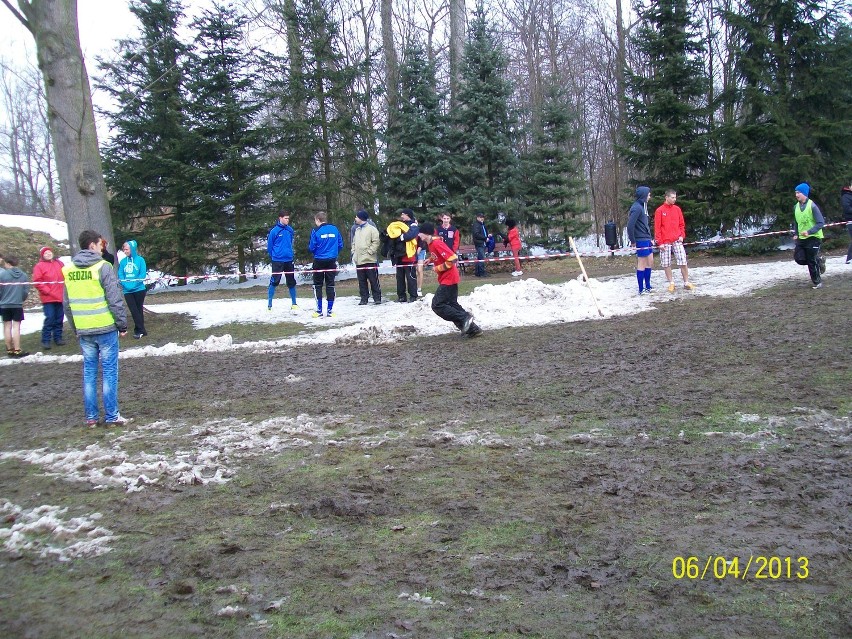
639 234
325 243
132 272
279 245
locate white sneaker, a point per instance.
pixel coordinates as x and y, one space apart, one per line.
119 421
517 273
419 292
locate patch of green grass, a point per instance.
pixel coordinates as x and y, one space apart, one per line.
512 536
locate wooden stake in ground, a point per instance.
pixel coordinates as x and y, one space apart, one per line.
585 275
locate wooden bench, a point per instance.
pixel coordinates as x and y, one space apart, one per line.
468 252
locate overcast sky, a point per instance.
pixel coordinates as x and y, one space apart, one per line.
102 24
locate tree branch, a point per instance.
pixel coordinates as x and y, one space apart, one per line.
18 15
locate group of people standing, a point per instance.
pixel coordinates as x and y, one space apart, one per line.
92 296
404 241
669 234
670 231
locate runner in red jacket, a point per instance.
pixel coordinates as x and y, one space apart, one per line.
48 280
669 233
445 303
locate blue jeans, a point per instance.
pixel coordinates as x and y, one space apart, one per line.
104 349
53 318
480 265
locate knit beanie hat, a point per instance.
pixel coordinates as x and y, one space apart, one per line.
804 189
428 228
362 215
43 249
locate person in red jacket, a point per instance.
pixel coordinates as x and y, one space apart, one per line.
513 241
669 233
48 280
445 303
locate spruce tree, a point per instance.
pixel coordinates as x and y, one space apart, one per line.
794 107
316 136
551 171
667 116
480 141
415 158
147 160
222 111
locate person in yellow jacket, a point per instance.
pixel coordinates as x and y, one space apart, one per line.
94 307
404 233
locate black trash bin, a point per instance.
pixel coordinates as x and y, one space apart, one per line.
611 235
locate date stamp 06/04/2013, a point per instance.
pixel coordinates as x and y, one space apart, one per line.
751 567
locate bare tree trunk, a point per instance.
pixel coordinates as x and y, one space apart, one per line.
53 24
457 37
391 60
376 186
618 133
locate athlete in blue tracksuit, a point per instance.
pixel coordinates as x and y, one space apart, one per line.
325 243
279 245
639 234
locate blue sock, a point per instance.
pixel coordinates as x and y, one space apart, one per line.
640 277
319 305
270 294
647 279
330 304
293 295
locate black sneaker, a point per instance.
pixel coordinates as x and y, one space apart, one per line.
467 324
363 303
473 331
60 342
46 346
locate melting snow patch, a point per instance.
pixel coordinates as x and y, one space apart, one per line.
43 531
470 438
417 597
215 449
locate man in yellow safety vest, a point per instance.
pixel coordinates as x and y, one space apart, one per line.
95 310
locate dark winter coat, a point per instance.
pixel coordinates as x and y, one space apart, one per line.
846 203
480 234
638 226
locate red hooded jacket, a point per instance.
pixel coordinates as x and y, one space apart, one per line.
50 271
668 224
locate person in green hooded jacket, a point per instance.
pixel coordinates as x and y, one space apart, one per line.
808 232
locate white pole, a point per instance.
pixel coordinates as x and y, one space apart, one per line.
585 276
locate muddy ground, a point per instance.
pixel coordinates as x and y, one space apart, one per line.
540 482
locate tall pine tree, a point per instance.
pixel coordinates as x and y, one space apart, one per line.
415 159
480 141
551 171
147 160
667 115
793 109
222 110
316 138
